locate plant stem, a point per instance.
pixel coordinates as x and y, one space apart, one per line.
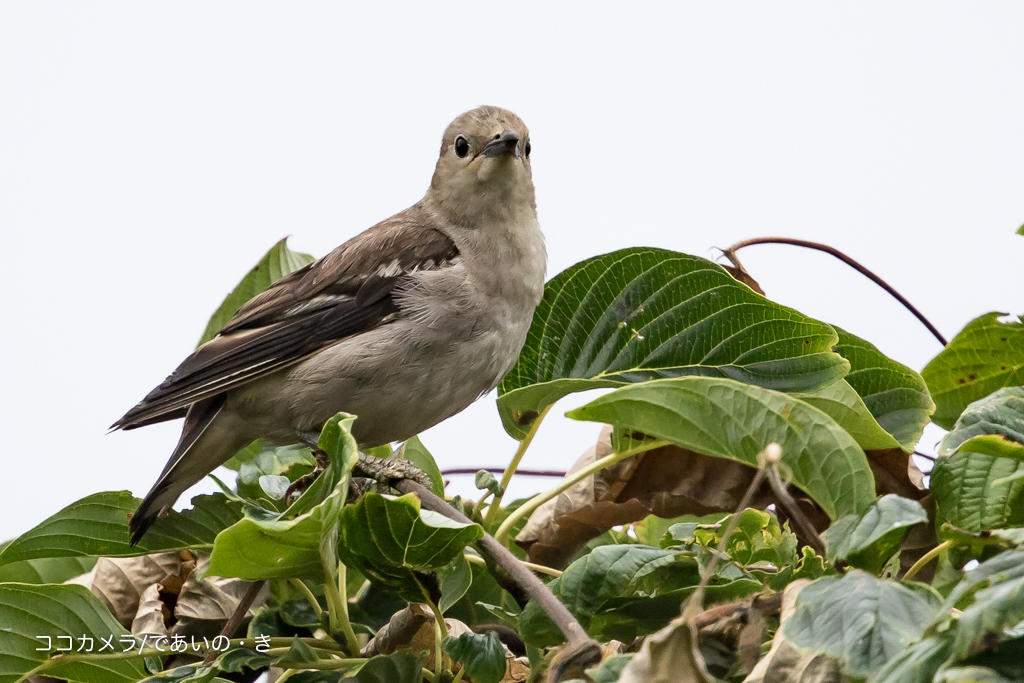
513 465
477 560
926 558
569 482
308 594
337 606
458 676
730 253
441 660
794 511
768 458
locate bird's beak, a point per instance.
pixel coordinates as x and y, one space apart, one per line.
506 143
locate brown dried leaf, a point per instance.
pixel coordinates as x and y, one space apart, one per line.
783 664
121 582
193 607
669 482
668 656
411 628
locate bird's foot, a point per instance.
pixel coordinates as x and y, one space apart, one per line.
390 470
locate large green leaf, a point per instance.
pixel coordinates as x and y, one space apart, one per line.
31 613
859 619
641 314
294 543
869 539
391 540
729 419
986 355
608 571
840 402
1000 413
97 525
274 265
976 491
894 394
415 452
46 570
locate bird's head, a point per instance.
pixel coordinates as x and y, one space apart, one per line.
484 167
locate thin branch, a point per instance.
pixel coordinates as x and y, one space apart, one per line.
499 470
730 253
539 568
581 650
238 615
925 456
793 510
694 603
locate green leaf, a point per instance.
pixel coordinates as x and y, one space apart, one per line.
97 525
30 613
869 539
389 540
894 394
986 355
415 452
997 607
860 620
968 492
607 572
1000 414
274 265
917 663
840 402
641 314
482 655
399 667
728 419
46 570
455 580
292 545
291 461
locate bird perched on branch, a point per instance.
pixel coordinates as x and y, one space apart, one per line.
404 325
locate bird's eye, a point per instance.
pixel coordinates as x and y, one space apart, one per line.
527 150
461 147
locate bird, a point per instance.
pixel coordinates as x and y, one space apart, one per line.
404 325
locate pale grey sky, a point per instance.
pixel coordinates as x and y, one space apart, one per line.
151 152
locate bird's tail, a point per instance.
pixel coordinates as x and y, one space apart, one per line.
185 467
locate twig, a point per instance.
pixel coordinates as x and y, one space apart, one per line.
925 456
581 650
794 511
770 455
238 615
474 559
499 470
730 253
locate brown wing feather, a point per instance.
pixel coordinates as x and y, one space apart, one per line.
347 292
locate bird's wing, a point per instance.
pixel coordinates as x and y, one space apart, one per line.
347 292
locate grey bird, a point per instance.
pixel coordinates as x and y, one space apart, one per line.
404 325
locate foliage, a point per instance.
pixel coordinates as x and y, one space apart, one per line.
365 585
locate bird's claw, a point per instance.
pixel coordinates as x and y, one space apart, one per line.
388 470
